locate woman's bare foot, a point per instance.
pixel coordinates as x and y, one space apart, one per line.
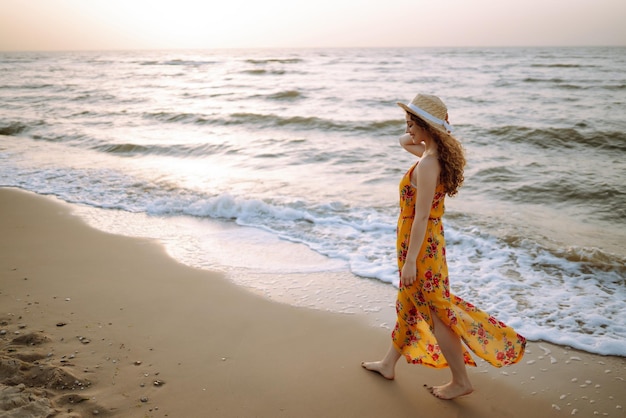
379 367
451 390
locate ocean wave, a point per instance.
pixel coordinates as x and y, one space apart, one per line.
274 60
543 138
609 140
20 57
123 149
571 87
499 174
178 150
286 95
570 191
192 63
94 98
548 289
615 87
262 71
13 128
311 122
30 86
594 259
170 117
273 120
383 125
543 80
300 122
561 137
558 82
561 65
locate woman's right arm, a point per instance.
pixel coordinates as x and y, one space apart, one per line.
407 144
427 174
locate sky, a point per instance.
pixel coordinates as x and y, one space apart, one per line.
198 24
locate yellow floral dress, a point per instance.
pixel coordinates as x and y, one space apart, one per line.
413 335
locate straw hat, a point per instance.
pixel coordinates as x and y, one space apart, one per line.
431 110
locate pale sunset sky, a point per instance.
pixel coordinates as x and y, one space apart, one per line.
165 24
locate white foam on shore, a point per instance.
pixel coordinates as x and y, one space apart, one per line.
481 271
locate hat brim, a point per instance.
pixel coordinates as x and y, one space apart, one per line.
434 125
408 109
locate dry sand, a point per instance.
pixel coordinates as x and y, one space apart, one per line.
93 324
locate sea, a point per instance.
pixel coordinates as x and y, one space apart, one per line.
280 169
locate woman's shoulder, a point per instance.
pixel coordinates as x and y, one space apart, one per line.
429 162
428 169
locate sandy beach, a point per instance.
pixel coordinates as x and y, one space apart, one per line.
93 324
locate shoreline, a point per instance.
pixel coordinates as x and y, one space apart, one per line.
147 336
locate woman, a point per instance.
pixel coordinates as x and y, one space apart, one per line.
431 322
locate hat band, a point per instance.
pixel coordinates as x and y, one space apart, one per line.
430 117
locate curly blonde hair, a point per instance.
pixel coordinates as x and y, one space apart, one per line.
451 156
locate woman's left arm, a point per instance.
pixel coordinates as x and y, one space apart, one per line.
407 143
427 175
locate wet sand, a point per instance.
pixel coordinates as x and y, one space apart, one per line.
93 324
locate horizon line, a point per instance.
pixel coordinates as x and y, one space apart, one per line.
308 47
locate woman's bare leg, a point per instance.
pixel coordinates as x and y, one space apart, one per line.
385 367
452 350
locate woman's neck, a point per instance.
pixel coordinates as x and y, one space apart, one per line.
430 148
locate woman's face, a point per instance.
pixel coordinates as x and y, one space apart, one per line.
414 130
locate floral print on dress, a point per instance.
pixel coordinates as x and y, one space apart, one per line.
413 335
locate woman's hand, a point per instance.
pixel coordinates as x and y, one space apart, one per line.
408 273
407 143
